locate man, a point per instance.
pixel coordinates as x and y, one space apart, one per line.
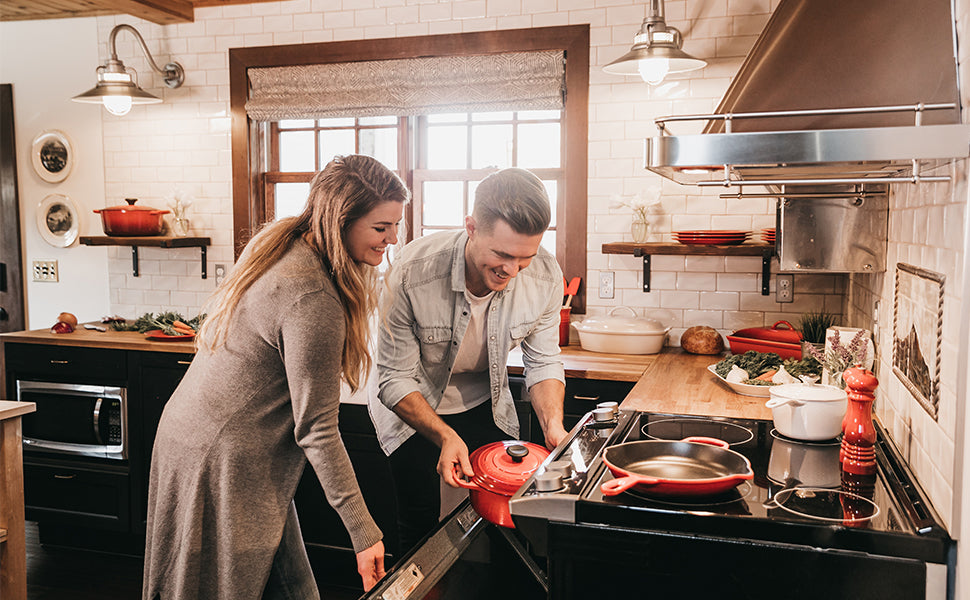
455 304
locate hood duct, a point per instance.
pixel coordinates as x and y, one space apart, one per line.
833 92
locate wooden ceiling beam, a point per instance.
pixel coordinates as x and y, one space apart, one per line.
162 12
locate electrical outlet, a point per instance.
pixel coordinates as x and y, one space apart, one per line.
606 284
785 288
220 272
44 270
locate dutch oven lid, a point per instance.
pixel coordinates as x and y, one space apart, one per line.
775 333
621 325
807 392
131 207
503 467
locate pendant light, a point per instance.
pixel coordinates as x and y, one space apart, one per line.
117 85
656 50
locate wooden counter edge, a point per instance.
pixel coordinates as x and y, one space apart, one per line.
85 338
10 409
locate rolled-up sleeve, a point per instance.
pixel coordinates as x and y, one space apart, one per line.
540 349
398 351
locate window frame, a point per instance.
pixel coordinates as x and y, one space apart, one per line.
248 162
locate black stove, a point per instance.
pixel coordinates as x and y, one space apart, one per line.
800 528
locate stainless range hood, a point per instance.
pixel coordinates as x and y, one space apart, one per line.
834 91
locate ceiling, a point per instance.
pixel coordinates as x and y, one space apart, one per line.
163 12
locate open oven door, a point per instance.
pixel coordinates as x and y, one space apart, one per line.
465 558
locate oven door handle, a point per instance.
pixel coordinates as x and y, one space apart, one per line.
97 421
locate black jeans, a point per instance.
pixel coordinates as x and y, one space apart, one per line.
416 480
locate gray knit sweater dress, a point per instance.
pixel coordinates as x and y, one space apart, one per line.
235 437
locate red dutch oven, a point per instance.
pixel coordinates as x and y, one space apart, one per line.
773 333
131 220
786 343
694 466
501 468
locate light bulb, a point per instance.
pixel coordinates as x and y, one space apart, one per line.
654 70
117 105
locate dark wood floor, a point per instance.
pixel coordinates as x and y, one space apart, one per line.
68 574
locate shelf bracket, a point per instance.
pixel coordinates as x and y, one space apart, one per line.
646 267
766 272
134 262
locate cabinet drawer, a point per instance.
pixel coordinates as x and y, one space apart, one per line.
77 496
55 363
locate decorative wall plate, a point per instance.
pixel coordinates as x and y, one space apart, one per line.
58 220
52 155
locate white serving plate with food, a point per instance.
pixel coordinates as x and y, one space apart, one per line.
746 389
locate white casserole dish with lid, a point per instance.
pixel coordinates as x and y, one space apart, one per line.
622 334
807 411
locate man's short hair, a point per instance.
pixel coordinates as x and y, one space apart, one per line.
515 196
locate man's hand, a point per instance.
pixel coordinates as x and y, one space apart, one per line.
370 565
453 460
556 434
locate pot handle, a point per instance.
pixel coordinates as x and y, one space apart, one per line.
632 312
777 323
776 402
617 486
707 440
468 485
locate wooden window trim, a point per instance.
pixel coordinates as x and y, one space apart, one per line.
572 39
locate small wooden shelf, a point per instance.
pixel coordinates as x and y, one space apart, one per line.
646 250
156 241
3 535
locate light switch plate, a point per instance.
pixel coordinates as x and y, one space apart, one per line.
44 270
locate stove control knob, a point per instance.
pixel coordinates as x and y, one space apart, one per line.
613 406
563 467
601 415
549 481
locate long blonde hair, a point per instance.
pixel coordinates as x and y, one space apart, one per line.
346 189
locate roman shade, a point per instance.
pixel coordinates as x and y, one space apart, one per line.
413 86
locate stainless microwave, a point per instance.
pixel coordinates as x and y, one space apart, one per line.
85 420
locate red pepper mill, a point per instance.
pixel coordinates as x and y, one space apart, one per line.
858 453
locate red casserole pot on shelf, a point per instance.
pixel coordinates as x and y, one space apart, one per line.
501 468
694 466
786 343
131 220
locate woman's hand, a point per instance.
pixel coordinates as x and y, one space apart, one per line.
453 460
370 565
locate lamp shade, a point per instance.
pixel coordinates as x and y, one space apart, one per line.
656 50
678 61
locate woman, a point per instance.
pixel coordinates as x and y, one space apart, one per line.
261 398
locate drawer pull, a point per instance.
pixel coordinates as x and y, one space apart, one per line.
588 398
183 362
58 362
63 476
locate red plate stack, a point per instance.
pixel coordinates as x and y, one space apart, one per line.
768 235
711 237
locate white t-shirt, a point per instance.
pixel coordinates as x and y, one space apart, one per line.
469 384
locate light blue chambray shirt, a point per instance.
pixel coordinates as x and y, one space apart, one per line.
424 315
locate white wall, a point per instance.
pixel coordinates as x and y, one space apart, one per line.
48 62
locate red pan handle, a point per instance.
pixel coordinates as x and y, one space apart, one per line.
460 478
777 323
622 484
707 440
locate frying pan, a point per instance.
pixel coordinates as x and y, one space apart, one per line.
694 466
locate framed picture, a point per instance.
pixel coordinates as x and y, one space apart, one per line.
917 323
52 155
58 220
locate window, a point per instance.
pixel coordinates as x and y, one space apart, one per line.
441 156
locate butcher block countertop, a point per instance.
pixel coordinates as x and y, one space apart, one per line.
670 382
679 383
111 339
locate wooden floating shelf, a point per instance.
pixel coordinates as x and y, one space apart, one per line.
646 250
157 241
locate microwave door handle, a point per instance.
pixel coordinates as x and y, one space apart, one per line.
97 421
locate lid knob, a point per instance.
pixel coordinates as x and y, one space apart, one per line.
131 201
517 452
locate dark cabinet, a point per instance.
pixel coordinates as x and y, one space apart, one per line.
154 377
582 396
77 494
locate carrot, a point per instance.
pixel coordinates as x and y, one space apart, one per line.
182 327
767 375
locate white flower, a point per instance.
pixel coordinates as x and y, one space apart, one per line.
641 203
179 201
